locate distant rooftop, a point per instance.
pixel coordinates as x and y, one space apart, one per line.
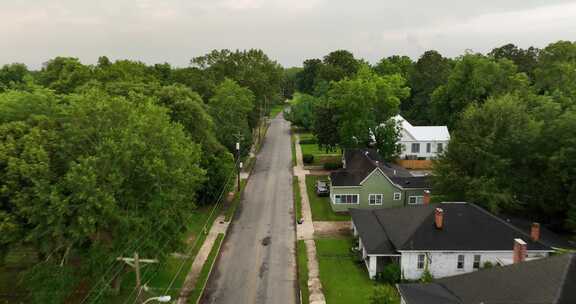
424 133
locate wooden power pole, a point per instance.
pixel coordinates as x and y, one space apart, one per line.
134 262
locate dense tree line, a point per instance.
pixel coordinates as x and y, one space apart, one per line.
511 114
92 157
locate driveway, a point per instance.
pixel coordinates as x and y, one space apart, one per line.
257 262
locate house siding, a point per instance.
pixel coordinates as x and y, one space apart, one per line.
444 264
376 183
406 148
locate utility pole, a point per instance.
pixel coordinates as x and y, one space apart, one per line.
239 164
134 262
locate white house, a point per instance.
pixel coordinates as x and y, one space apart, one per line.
446 239
424 142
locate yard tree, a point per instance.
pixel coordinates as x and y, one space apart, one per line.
429 72
230 108
302 111
336 66
489 142
326 124
386 137
473 79
525 59
12 75
365 102
306 78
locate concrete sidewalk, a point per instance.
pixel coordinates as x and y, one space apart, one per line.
305 231
219 226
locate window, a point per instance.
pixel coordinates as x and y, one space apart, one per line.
476 264
421 258
440 148
415 200
428 147
397 196
460 261
346 199
416 148
375 199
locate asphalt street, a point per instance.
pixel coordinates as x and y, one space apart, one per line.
257 262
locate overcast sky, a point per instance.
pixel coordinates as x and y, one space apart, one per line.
289 31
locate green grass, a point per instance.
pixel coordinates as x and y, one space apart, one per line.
321 209
303 271
159 276
293 148
297 197
276 109
206 269
229 213
321 156
344 280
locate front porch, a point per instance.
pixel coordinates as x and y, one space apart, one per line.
375 263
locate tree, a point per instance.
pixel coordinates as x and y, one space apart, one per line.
188 109
302 111
230 108
402 65
556 70
326 124
289 81
484 148
386 137
12 75
365 102
64 74
306 79
428 73
525 59
384 294
90 173
336 66
473 79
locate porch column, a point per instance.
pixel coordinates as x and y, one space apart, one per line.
372 260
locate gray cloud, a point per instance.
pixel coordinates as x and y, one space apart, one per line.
288 30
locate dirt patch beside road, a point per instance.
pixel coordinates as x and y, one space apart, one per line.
332 229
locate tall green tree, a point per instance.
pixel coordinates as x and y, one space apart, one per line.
306 79
230 108
556 70
525 59
473 79
64 74
395 64
428 73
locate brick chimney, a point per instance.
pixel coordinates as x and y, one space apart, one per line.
519 254
439 218
535 231
426 197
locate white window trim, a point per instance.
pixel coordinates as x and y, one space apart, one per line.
340 194
463 261
416 196
375 195
423 261
397 196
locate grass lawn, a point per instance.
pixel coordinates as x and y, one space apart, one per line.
206 269
320 155
293 148
303 271
160 276
343 279
321 209
297 197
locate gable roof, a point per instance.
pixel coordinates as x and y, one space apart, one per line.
466 227
360 163
424 133
549 280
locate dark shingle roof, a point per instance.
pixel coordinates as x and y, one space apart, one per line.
548 281
426 294
367 225
361 162
466 227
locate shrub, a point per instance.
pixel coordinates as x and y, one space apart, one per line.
390 274
308 158
426 276
488 265
332 166
384 294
